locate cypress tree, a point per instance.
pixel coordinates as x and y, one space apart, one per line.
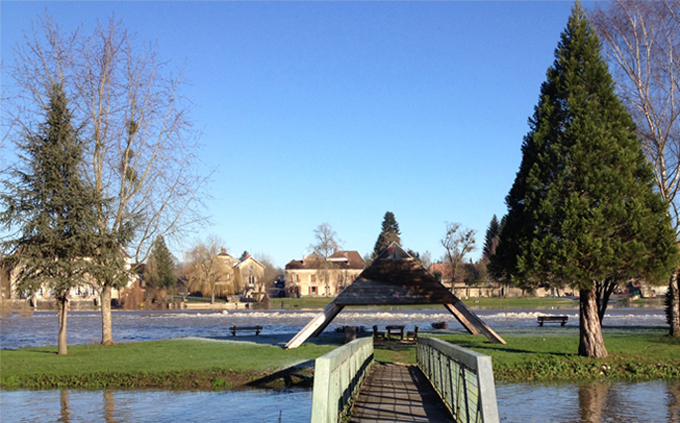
582 209
160 270
52 211
491 239
389 234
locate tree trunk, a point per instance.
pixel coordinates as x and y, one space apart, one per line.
674 305
591 343
212 297
107 333
62 303
604 291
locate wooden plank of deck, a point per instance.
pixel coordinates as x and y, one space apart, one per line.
398 393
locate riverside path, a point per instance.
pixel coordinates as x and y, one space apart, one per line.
398 393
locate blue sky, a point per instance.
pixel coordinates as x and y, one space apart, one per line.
337 112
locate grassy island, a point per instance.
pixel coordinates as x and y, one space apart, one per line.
194 363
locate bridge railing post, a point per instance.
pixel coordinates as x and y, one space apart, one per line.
462 377
338 376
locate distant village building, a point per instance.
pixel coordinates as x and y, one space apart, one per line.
83 292
246 275
313 277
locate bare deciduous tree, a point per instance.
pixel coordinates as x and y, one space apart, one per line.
207 272
457 243
271 272
326 243
141 141
642 44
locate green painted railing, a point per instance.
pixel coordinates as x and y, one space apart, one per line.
463 378
338 376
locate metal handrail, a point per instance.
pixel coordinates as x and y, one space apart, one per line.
463 378
338 376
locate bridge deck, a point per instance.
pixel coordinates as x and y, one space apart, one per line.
398 393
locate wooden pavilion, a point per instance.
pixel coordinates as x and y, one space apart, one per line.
395 278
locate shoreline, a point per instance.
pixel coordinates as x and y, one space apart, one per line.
641 353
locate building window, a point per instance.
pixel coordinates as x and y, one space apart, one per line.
295 279
312 278
313 289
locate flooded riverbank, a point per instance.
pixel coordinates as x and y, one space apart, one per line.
656 401
155 406
133 326
620 402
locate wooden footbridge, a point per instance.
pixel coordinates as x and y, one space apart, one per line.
449 384
398 393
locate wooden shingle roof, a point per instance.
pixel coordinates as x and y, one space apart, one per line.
400 280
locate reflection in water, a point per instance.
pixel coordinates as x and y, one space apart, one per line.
69 406
65 412
108 407
674 403
591 400
595 402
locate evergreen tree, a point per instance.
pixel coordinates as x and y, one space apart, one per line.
582 209
389 234
491 239
52 211
160 269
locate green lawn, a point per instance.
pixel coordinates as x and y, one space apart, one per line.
176 363
549 358
208 364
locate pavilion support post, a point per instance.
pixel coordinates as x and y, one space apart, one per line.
472 322
462 319
316 326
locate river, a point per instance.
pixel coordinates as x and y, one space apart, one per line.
657 401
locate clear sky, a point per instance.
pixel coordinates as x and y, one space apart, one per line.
337 112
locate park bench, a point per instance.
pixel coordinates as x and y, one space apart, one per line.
377 333
562 320
412 336
234 329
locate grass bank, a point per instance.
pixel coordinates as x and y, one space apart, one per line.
207 364
552 358
169 364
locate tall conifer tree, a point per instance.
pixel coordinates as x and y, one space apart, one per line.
582 209
52 211
160 269
491 239
389 234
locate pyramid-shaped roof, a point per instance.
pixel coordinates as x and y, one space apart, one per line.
395 278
